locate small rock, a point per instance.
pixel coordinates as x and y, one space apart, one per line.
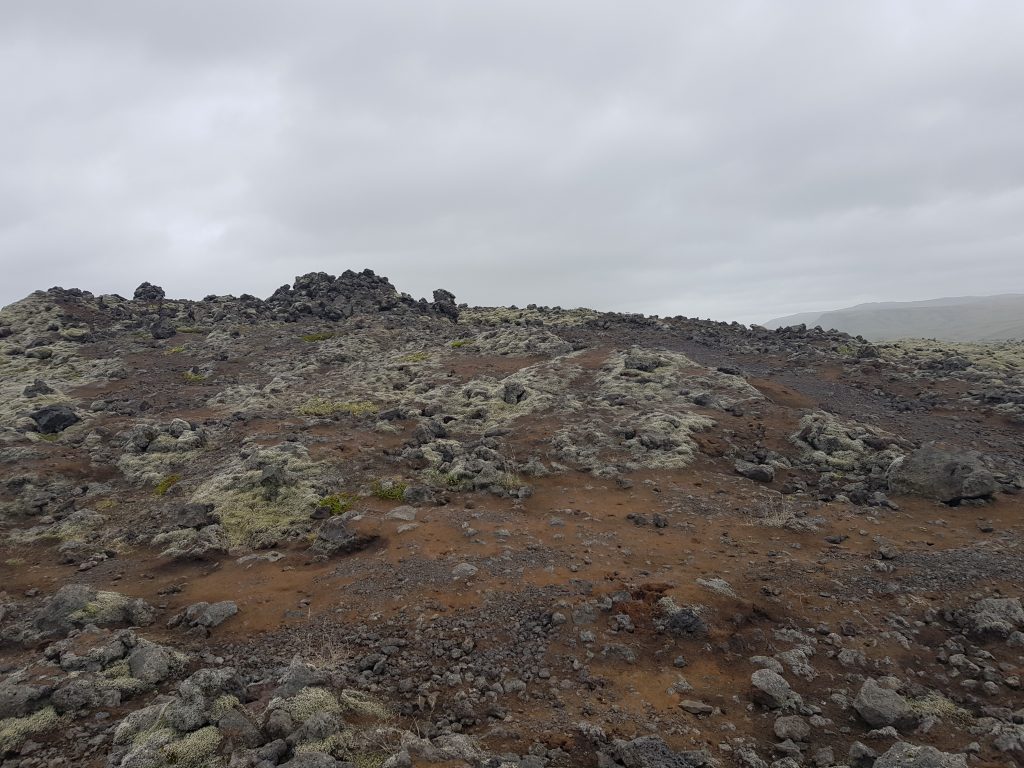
464 571
696 707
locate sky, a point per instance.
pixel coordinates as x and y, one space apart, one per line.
731 159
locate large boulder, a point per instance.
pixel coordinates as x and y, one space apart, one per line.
338 537
762 473
879 707
941 475
205 615
771 690
75 605
20 695
904 755
52 419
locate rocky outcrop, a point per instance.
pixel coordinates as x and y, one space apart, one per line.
326 297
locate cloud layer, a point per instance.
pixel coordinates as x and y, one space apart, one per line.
735 160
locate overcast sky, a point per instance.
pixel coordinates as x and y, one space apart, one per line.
738 160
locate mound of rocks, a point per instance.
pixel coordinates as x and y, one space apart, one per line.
75 606
326 297
95 670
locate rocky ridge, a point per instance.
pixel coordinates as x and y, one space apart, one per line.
341 526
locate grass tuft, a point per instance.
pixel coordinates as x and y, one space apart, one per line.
337 503
389 489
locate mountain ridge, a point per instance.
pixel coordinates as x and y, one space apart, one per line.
998 317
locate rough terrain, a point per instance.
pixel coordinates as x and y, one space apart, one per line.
341 526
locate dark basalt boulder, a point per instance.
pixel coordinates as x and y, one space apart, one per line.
52 419
941 475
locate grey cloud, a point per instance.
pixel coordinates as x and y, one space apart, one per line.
734 160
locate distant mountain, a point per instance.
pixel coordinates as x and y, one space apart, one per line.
958 318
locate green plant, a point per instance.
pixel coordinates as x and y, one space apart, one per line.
459 343
192 329
193 377
389 489
322 336
166 484
337 503
174 350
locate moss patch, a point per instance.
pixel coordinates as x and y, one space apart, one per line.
250 521
166 484
315 337
106 608
193 378
309 702
222 706
14 730
319 406
937 705
363 704
194 750
414 357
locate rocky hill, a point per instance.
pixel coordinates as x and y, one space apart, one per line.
344 527
964 318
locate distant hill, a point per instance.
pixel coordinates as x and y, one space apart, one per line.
959 318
